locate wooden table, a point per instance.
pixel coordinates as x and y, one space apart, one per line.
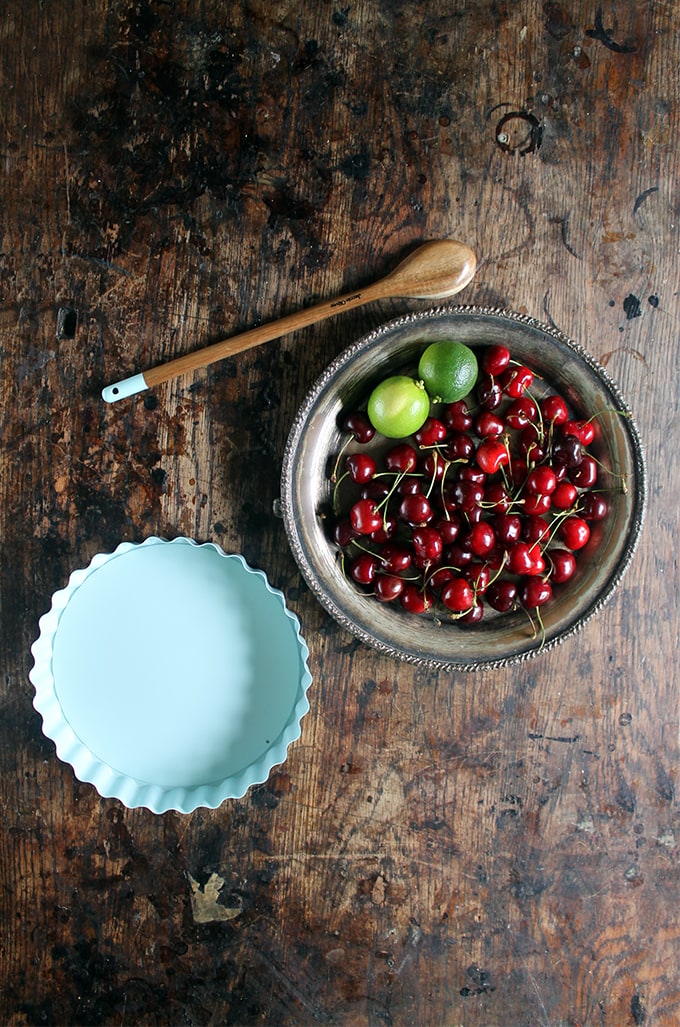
498 848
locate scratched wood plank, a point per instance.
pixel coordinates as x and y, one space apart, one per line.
489 849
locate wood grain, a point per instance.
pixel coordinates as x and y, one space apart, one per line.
495 849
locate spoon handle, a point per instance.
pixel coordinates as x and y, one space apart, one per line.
236 344
408 279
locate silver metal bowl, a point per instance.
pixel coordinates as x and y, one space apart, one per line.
315 438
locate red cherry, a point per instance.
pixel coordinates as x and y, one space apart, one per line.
440 577
361 467
496 496
495 359
395 557
564 496
363 568
432 432
584 431
574 532
415 509
535 529
457 417
562 565
542 480
365 517
388 587
414 599
401 457
521 412
524 558
535 592
386 531
481 538
508 528
515 380
472 473
458 595
491 455
448 528
459 556
409 486
428 544
473 615
554 409
536 504
434 466
468 495
585 475
532 443
489 424
479 576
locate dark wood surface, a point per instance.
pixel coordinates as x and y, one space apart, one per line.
496 849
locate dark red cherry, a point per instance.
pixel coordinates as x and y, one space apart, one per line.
343 532
481 538
361 467
359 425
456 416
594 506
489 392
460 447
416 510
395 557
501 595
508 528
448 528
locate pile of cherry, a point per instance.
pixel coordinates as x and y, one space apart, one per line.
486 508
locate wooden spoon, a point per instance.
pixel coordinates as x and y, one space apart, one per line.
435 270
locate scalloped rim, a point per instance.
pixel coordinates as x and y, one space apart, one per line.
307 571
109 782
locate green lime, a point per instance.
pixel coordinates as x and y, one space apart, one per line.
449 370
398 406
